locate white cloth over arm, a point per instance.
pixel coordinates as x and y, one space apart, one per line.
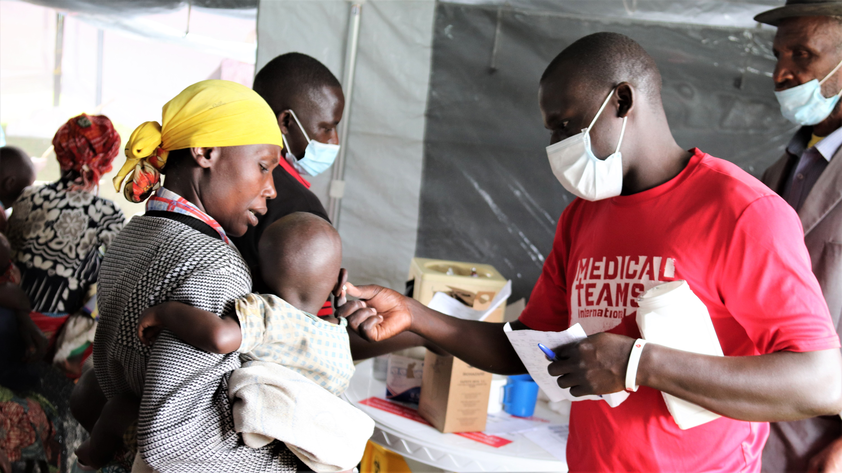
273 402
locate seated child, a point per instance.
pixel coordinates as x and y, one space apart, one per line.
301 255
20 340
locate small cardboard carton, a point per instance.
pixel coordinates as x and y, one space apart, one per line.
454 395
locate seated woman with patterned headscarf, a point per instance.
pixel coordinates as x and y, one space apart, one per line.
58 233
217 144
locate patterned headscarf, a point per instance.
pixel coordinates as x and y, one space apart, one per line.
86 144
210 113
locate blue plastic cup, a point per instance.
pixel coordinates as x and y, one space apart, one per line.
520 395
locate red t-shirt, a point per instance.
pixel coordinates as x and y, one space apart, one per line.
741 249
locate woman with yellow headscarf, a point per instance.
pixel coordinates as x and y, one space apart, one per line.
216 145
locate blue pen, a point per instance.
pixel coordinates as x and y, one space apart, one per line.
547 352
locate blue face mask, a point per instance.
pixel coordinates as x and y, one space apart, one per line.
804 104
317 156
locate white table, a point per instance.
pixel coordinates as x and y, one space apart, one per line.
450 452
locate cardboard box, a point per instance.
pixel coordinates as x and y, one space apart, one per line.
482 280
454 395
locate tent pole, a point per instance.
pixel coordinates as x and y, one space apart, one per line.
337 183
100 45
58 55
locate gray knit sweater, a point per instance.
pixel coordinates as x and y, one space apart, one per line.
185 421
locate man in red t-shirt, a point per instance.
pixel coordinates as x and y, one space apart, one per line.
649 211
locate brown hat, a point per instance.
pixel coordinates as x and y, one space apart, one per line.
795 8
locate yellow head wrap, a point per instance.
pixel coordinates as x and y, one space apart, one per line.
210 113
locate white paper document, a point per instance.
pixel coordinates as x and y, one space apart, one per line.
552 438
452 307
525 343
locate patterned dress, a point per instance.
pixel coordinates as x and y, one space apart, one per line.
27 429
55 235
185 421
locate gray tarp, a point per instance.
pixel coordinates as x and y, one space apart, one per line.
488 194
379 212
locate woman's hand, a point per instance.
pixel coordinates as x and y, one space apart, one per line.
380 313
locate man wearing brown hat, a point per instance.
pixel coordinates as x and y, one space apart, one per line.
808 86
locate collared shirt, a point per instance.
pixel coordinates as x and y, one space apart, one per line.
811 163
168 201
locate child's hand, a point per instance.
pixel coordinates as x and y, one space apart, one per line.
149 325
340 290
379 314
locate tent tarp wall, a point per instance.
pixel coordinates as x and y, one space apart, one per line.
379 213
487 193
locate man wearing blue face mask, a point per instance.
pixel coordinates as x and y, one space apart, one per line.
808 85
308 101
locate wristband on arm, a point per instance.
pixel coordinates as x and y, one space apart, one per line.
634 361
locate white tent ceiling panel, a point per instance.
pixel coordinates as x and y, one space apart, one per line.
144 27
143 7
145 19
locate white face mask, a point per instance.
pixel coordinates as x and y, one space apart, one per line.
582 173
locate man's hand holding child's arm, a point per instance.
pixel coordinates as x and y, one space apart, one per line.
383 314
199 328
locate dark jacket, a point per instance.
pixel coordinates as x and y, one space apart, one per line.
791 445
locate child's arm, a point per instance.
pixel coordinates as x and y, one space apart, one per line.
117 415
200 328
